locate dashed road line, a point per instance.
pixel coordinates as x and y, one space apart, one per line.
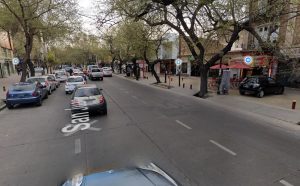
77 146
184 125
285 183
223 147
134 97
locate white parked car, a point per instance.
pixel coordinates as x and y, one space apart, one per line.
90 67
107 71
96 73
72 82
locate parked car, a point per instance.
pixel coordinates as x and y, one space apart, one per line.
260 85
72 82
80 74
44 81
144 176
61 76
107 71
54 79
25 93
96 73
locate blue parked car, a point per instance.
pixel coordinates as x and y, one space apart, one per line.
25 93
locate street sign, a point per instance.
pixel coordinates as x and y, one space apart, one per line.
15 61
178 62
248 60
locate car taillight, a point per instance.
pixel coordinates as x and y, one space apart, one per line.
101 99
35 94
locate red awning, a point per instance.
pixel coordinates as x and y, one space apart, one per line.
239 66
218 67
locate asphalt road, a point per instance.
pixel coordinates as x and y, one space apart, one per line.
197 143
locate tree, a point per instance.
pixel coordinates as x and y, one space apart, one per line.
37 18
194 21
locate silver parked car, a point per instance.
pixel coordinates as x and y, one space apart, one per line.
54 79
44 81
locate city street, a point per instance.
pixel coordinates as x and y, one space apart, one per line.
194 141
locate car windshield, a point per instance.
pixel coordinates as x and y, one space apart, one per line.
96 70
86 92
20 87
251 80
75 79
33 80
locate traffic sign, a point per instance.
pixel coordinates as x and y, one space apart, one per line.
15 61
178 62
248 60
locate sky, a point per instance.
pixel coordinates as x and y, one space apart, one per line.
87 8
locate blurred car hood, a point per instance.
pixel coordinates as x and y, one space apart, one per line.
124 177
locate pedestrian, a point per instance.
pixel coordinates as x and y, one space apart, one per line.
19 69
71 71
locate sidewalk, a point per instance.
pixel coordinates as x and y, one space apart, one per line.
5 82
272 106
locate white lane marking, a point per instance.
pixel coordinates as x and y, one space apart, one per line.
95 129
285 183
126 92
143 102
77 146
93 122
223 147
134 97
67 109
184 125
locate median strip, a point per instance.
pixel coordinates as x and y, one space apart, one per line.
223 147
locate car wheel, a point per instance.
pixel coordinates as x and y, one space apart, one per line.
281 90
46 96
9 106
105 111
242 92
67 92
260 94
39 103
101 79
50 91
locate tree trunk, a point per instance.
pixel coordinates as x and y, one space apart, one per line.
27 61
155 74
203 82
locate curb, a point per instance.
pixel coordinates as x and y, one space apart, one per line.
2 107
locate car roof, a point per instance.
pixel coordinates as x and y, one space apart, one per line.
87 86
35 77
74 76
22 84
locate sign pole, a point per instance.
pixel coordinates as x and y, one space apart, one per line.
179 75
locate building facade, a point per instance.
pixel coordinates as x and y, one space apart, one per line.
6 55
